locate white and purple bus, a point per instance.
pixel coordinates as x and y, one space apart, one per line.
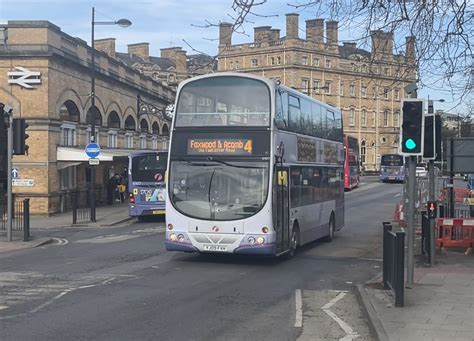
392 168
254 167
146 183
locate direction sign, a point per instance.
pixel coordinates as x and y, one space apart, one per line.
468 201
15 173
23 182
93 162
92 150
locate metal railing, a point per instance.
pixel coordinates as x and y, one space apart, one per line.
20 217
394 262
81 208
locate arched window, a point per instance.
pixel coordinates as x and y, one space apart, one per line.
143 126
362 151
130 123
165 131
155 128
113 121
385 118
97 115
363 118
396 119
69 111
351 117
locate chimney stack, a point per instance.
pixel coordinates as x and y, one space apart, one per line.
225 33
315 30
106 45
177 55
292 26
382 44
331 31
262 34
141 50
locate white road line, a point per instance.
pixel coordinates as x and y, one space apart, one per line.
397 195
350 334
299 309
3 307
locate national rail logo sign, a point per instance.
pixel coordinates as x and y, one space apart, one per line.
220 146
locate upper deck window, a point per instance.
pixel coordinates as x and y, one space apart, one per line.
223 101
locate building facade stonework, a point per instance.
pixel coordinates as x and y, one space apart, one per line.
367 86
58 112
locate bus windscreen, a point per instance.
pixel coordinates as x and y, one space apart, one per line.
149 168
391 160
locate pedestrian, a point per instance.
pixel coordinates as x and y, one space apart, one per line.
122 189
110 190
116 187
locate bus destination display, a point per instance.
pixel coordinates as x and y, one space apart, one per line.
220 146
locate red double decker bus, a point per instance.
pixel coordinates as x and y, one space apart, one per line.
351 162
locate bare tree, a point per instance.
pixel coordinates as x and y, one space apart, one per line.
443 30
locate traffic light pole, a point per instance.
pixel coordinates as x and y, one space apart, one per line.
431 194
9 177
411 220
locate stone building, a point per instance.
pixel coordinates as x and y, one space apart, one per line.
45 76
367 86
173 65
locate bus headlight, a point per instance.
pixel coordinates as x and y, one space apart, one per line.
172 237
170 227
265 229
251 240
260 240
180 238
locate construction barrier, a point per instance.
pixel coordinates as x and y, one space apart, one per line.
454 232
459 194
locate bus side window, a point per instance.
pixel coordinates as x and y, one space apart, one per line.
317 120
294 114
281 110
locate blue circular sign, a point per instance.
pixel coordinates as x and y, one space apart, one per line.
93 150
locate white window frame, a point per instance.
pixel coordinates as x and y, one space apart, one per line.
327 63
351 117
142 141
327 87
154 142
304 60
316 86
397 94
305 85
97 135
385 118
112 138
363 91
278 60
341 89
385 93
129 140
363 118
237 65
352 90
315 61
254 62
68 136
396 122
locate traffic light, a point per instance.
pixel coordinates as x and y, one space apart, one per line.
412 132
20 136
429 152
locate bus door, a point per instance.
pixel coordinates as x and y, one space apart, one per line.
281 208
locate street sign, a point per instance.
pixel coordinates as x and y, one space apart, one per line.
24 77
93 162
23 182
92 150
468 201
15 173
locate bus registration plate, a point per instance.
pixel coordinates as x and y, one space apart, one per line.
213 247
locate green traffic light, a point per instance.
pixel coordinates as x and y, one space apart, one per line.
410 144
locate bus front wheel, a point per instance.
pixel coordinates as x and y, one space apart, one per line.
294 241
332 228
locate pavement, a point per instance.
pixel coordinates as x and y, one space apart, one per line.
440 305
106 216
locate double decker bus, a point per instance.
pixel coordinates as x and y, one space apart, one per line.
392 168
254 167
351 162
146 183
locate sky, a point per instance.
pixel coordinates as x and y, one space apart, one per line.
166 23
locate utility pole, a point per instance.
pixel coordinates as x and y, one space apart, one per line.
9 175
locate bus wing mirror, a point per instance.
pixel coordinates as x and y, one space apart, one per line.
282 178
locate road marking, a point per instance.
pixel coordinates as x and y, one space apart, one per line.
111 238
299 309
397 195
60 241
350 334
3 307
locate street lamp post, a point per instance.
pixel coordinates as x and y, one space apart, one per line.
121 23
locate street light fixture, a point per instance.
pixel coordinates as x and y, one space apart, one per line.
122 23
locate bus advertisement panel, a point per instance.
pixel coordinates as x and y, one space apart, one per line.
392 168
351 163
146 182
250 163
